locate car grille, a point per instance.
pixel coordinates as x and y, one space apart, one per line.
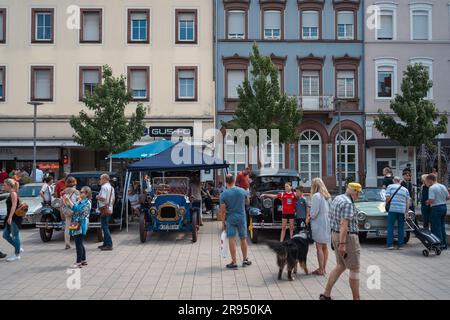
168 212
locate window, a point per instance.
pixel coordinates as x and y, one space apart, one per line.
236 24
42 25
386 78
90 77
347 158
272 25
421 21
138 25
345 27
2 83
2 25
427 63
186 83
42 83
186 26
310 25
386 25
235 155
274 156
310 157
91 25
138 83
346 84
235 78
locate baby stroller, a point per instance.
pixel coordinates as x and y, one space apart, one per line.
429 240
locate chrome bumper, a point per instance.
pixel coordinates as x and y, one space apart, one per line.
272 225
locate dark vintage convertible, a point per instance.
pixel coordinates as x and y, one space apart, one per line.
265 213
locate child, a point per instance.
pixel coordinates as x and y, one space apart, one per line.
288 206
301 208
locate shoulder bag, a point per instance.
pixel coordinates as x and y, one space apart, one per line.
105 211
21 209
388 204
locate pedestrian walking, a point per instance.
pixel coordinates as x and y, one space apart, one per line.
46 192
425 207
437 198
12 221
397 205
288 199
344 233
105 200
320 225
232 210
79 224
66 212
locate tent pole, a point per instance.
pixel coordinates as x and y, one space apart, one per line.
127 213
125 191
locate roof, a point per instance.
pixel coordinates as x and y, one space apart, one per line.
179 157
279 172
144 151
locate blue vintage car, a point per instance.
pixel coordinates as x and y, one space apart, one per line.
171 209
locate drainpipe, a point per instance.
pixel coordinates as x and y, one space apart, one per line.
363 96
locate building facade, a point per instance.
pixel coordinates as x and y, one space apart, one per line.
409 32
52 51
317 47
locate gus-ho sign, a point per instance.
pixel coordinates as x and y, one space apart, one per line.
166 132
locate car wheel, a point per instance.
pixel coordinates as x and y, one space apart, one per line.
253 232
362 236
407 237
143 228
194 224
46 233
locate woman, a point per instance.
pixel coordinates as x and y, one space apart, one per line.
425 207
12 221
320 225
80 219
66 213
46 192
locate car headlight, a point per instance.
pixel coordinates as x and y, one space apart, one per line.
267 203
153 210
361 216
367 225
181 211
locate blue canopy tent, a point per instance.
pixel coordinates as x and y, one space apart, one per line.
145 151
178 157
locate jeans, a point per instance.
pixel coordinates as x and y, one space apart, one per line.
392 218
11 234
426 215
81 250
107 240
438 222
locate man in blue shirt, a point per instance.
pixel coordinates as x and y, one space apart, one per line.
232 210
398 198
437 198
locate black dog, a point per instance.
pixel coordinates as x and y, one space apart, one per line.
291 252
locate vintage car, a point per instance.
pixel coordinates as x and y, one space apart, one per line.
30 194
50 219
171 209
372 216
265 212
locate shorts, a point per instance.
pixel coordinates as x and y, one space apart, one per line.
236 226
351 262
288 216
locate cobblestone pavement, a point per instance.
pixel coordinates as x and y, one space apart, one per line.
169 266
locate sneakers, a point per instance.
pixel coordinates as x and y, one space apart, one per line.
246 262
76 266
13 258
21 250
100 247
106 248
84 263
399 248
390 248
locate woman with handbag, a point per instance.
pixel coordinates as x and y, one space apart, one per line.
79 223
12 220
66 212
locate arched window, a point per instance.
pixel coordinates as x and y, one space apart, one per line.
347 159
310 155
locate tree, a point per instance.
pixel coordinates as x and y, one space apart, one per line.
262 105
108 129
418 116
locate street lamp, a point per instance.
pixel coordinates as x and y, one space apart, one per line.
337 104
35 104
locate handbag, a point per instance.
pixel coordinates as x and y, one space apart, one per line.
387 206
74 226
21 209
105 211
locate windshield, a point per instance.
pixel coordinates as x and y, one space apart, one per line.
273 183
29 192
371 195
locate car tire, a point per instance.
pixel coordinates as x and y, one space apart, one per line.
143 228
362 236
194 225
46 234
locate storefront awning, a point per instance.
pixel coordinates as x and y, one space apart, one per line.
146 151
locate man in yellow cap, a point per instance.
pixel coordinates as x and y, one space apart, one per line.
344 235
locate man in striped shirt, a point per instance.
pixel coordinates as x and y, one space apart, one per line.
398 198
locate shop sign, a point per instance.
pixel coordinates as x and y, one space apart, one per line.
170 131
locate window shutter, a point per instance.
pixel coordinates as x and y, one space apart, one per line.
236 22
91 31
186 74
138 16
90 76
420 25
186 17
272 20
235 78
386 26
42 84
345 17
139 80
310 19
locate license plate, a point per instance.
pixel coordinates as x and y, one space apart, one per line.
381 233
169 227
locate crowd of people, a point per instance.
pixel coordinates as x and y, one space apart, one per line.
75 208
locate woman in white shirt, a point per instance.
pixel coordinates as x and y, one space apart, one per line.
46 192
320 225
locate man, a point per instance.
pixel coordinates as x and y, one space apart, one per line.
242 179
408 185
106 197
46 192
398 198
437 199
344 235
220 187
232 209
39 175
148 184
195 192
60 185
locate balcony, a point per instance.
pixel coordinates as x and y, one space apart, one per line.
316 106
